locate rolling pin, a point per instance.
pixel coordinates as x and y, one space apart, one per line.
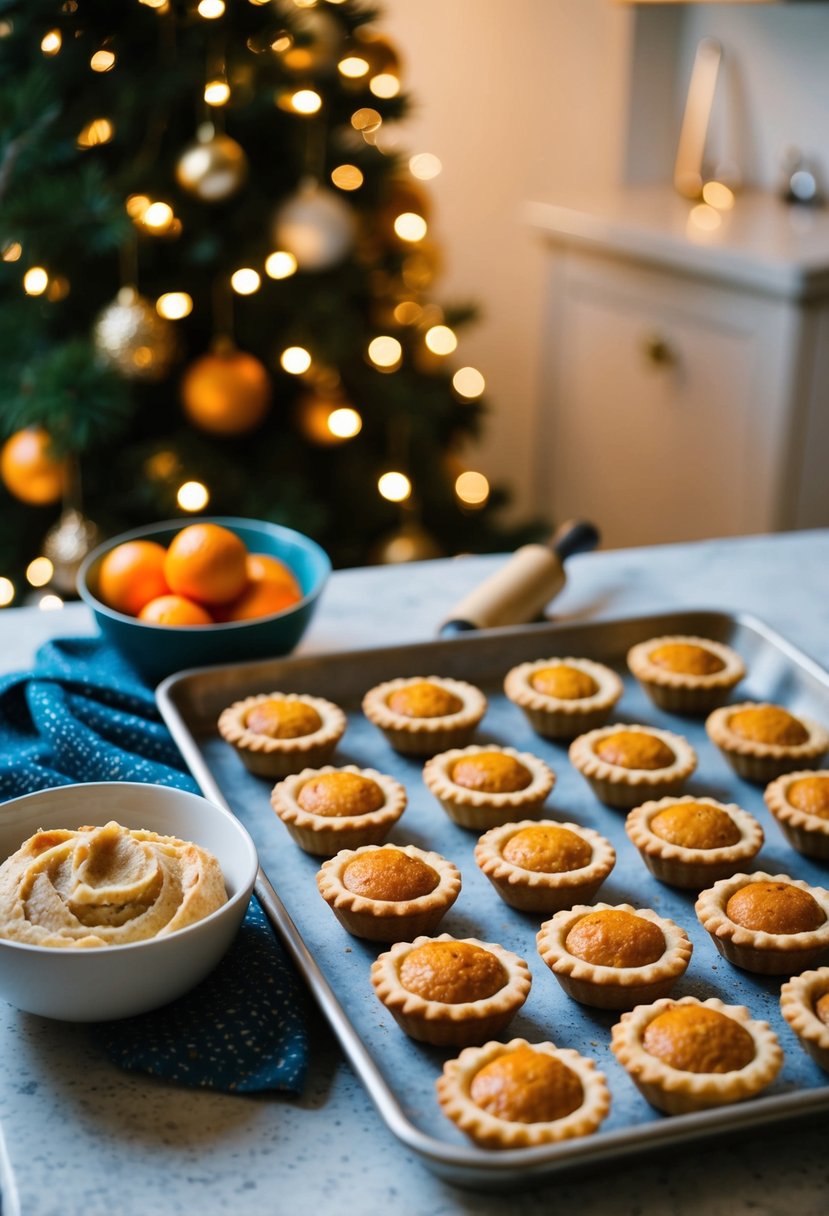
519 591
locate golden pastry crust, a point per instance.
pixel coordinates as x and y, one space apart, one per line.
798 1004
423 736
759 761
274 757
413 912
678 1091
324 835
805 829
543 1067
699 865
543 889
685 674
557 716
762 949
443 1022
606 986
481 808
624 787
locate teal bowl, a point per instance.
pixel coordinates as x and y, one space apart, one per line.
157 651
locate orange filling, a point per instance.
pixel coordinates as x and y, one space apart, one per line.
768 724
280 719
695 825
634 749
695 1039
822 1008
774 907
612 938
527 1086
686 659
389 874
564 682
424 700
340 794
547 850
810 795
491 773
452 972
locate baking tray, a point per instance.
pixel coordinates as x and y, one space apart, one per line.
398 1073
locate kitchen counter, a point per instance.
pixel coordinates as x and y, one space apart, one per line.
80 1136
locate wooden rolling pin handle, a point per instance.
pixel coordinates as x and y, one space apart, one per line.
516 593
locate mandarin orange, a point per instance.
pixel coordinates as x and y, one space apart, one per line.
131 575
271 587
174 610
206 563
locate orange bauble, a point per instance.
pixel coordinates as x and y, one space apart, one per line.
131 575
206 563
271 587
174 610
28 469
226 392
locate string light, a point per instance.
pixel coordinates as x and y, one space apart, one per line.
395 487
366 120
192 496
441 340
353 67
347 177
468 382
306 101
12 252
35 281
174 305
425 166
410 227
51 43
704 218
99 131
718 195
295 359
6 592
154 3
472 488
50 603
39 571
280 265
102 61
344 422
211 9
158 215
245 281
384 85
385 352
407 312
217 92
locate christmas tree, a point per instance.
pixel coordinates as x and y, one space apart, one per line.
216 277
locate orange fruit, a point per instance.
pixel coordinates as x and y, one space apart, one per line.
174 610
271 588
131 575
206 563
29 470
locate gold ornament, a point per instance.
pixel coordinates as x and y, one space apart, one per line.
28 469
316 225
412 543
134 339
314 410
226 392
213 168
66 545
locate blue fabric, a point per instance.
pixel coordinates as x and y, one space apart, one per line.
83 714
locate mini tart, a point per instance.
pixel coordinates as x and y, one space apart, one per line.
481 787
693 842
689 1055
448 991
800 804
386 893
762 741
614 956
294 731
685 675
328 809
520 1094
544 866
768 923
625 764
563 697
421 715
804 1003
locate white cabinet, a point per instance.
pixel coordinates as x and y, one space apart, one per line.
685 390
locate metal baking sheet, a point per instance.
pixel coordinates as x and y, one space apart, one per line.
399 1073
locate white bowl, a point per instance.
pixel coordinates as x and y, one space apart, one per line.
105 982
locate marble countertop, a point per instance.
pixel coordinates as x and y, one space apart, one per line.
80 1136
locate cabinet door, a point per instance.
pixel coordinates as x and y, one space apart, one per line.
666 404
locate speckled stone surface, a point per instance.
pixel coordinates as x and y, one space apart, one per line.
82 1136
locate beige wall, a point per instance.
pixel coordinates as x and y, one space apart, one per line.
518 100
